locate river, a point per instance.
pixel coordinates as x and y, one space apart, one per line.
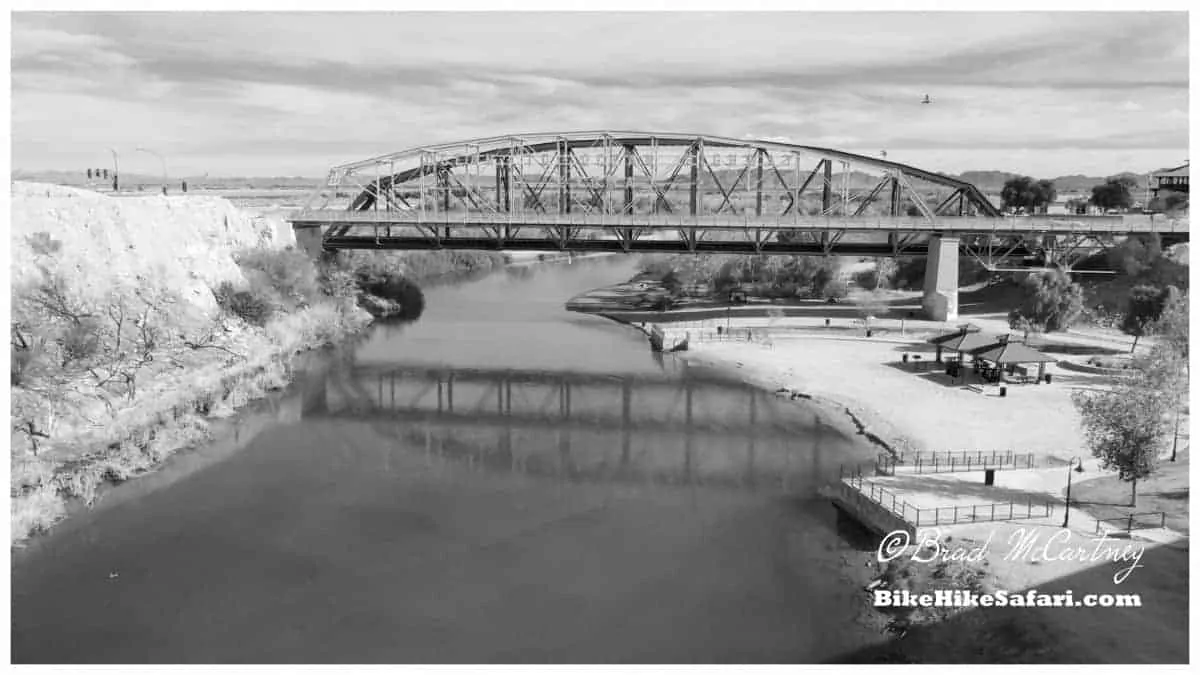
498 481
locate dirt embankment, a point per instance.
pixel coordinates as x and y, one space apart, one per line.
120 351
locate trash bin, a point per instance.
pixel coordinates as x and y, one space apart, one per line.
868 333
1003 391
1047 378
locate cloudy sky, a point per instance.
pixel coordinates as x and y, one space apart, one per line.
291 94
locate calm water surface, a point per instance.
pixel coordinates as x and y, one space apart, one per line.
499 481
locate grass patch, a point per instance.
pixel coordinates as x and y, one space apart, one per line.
1113 362
1166 490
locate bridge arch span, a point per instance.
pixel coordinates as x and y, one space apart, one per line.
630 171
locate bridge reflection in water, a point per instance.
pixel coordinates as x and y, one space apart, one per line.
593 427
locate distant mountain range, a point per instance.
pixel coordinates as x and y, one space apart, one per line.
987 181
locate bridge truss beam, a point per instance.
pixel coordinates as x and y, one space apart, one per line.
398 181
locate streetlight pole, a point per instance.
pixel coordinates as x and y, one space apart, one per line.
164 166
1175 440
116 171
1070 464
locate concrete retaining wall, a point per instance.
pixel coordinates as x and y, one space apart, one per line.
872 515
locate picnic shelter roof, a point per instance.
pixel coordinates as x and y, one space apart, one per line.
964 342
1011 352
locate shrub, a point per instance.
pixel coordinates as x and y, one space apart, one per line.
835 288
398 289
27 354
1050 302
867 279
291 274
339 283
662 303
21 365
252 306
43 244
80 342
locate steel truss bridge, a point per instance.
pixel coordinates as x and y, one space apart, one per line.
684 193
725 434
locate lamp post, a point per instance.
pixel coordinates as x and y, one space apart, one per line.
164 166
1078 464
1175 440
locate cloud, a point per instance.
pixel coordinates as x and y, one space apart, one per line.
312 84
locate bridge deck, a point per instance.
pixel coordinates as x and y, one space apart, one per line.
740 223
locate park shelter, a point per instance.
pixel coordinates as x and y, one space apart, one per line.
961 341
1007 354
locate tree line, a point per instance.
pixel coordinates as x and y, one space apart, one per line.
1024 194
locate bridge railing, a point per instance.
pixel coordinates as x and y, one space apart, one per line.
470 219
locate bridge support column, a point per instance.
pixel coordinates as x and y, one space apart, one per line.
940 301
826 185
308 239
693 196
627 204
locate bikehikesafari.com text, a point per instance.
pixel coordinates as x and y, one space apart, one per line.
1031 598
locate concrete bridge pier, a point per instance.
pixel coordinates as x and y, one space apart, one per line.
940 301
308 239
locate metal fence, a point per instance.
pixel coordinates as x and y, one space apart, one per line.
946 515
948 462
1135 521
715 330
756 335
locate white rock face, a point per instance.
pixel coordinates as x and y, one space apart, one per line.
182 243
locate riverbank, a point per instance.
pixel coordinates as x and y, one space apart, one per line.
901 408
128 346
817 351
176 408
173 411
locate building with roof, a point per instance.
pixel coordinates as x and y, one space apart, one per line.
1172 180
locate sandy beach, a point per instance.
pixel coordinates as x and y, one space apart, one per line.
910 407
909 410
